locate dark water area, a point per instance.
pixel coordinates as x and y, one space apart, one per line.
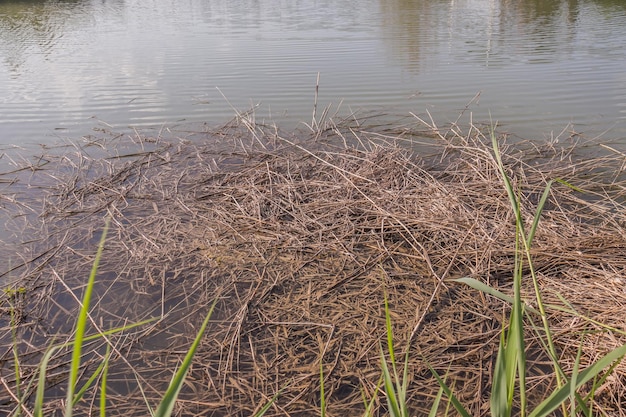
540 67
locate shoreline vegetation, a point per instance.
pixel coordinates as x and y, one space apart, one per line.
315 245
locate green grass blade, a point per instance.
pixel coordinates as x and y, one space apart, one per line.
567 184
499 393
597 382
396 396
87 384
477 285
403 388
571 310
43 366
41 382
582 406
389 332
542 202
507 182
390 392
267 406
510 365
517 355
455 401
171 394
81 324
103 383
435 407
515 338
369 405
573 385
560 395
113 331
516 328
514 349
540 305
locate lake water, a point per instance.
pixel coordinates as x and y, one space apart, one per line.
539 65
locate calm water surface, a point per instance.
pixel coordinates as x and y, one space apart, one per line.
69 66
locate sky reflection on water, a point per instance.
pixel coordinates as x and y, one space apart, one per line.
538 65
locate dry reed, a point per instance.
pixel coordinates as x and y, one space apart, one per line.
300 235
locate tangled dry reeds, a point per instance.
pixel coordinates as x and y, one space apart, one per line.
300 236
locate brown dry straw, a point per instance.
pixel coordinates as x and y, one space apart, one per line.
300 235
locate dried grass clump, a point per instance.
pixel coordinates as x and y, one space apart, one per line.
300 237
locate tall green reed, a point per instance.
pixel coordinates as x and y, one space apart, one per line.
81 324
509 374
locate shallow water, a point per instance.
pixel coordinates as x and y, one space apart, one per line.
69 66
